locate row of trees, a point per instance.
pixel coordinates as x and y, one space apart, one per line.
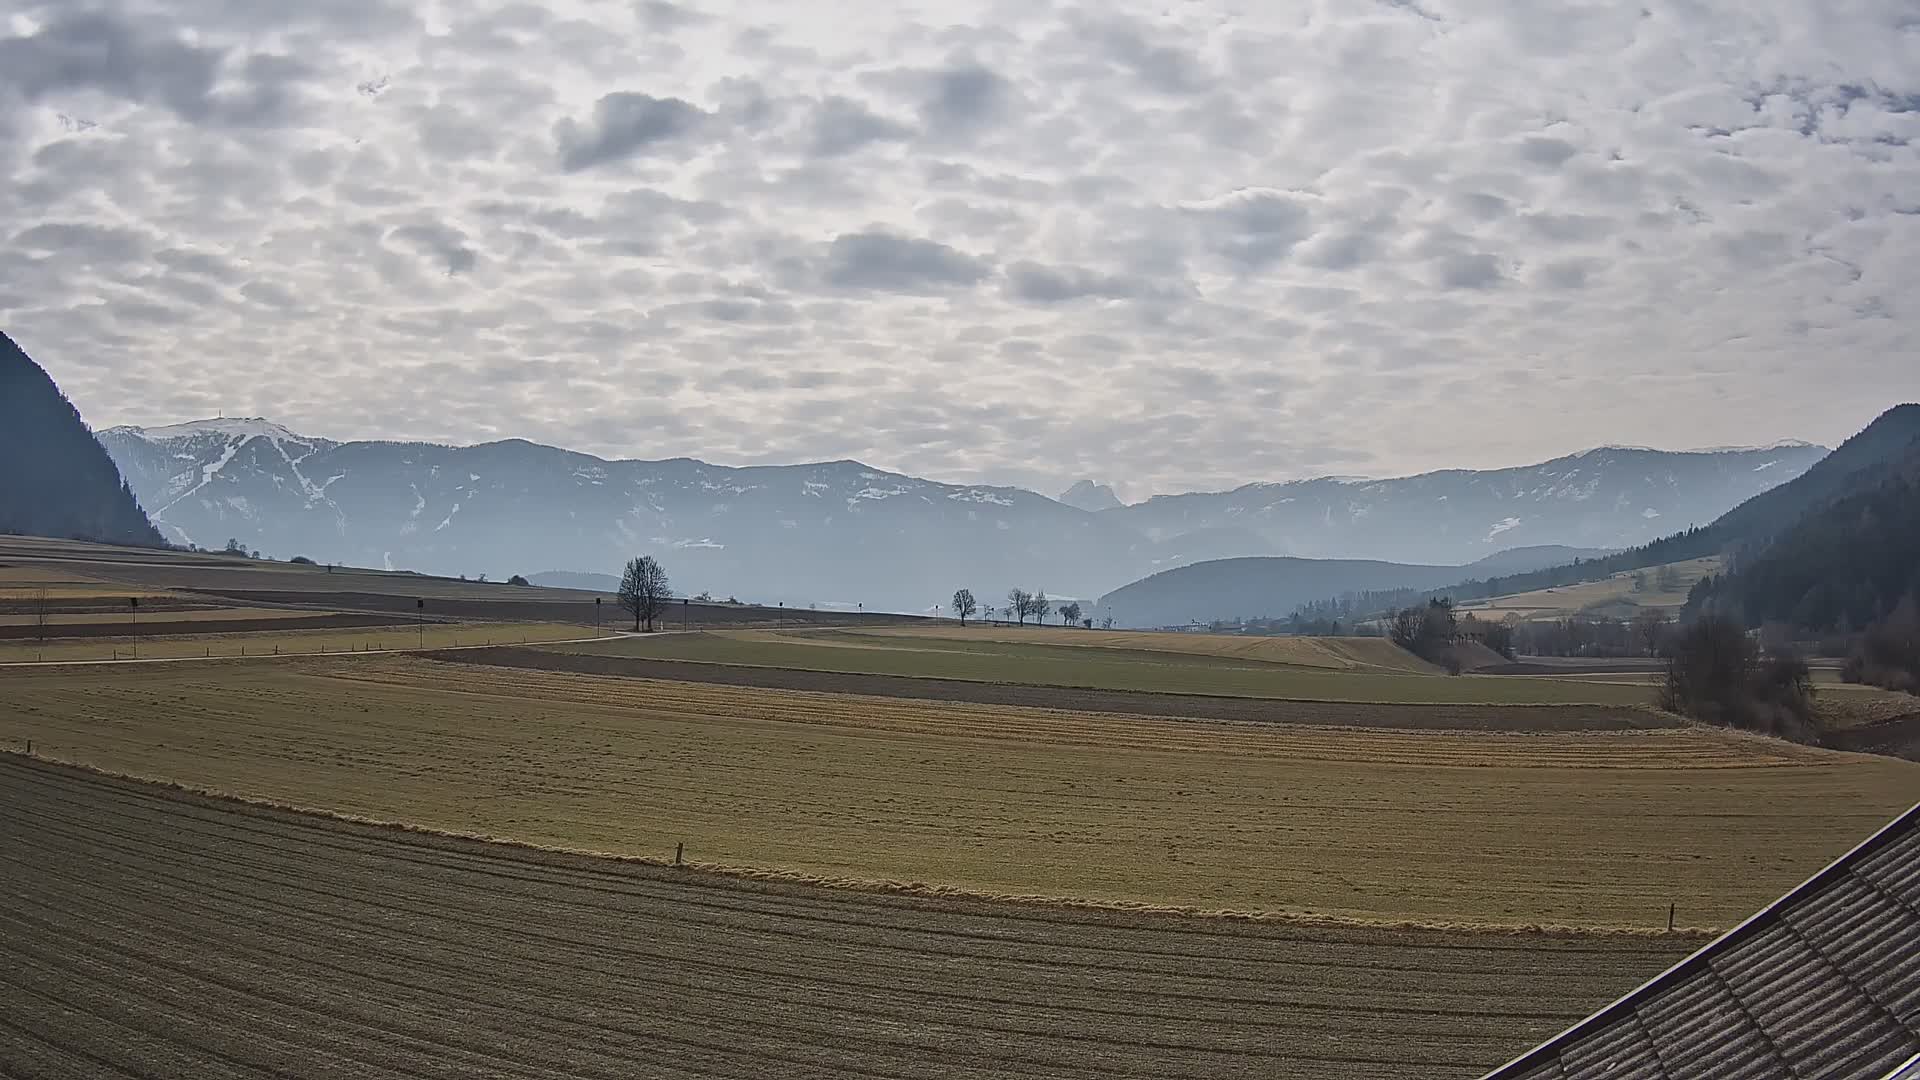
1021 606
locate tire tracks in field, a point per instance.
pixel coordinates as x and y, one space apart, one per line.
380 951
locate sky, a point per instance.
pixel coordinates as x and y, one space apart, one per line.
1173 246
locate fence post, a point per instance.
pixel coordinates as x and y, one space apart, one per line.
1669 917
678 849
29 747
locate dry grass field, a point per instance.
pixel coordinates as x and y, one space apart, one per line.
1583 829
148 932
1340 670
1613 595
386 635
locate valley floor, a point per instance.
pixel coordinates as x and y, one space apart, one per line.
1575 828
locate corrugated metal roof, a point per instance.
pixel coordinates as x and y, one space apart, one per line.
1824 982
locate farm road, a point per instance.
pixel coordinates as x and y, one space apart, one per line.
149 932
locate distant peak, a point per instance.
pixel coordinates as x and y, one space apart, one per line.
1090 496
229 426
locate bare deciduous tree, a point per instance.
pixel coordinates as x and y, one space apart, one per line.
643 590
1070 613
964 605
1041 606
1019 604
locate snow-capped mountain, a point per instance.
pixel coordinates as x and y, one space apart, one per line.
1092 497
1609 497
843 532
832 532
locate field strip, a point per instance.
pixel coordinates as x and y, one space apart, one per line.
153 932
1383 825
289 655
1552 716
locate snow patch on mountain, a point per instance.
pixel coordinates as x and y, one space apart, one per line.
1501 526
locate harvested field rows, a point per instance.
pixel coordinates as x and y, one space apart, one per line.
1040 663
1583 829
146 932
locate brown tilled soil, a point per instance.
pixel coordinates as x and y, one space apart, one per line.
176 627
147 932
1435 717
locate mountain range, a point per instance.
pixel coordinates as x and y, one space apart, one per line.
844 533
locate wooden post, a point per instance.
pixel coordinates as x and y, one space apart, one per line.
678 850
1669 917
29 747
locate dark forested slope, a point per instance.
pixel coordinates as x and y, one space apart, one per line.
55 478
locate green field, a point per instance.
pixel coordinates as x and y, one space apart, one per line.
1039 663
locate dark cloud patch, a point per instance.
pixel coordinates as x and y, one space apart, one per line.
184 261
1342 250
887 262
444 244
268 294
1253 228
148 63
663 17
1034 283
625 125
82 242
1548 153
842 125
964 98
1147 55
1566 273
1468 270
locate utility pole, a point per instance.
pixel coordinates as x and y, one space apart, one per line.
133 605
596 614
420 615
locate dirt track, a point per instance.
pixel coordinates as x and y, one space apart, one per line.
1347 714
148 932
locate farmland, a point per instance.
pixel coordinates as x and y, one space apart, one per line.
216 638
1615 595
1045 661
1512 829
137 914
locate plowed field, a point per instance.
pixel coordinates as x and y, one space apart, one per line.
1582 828
152 933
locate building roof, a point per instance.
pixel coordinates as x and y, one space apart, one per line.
1823 982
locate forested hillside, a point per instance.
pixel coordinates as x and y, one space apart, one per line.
1850 477
1842 567
57 480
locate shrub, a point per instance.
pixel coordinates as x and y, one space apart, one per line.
1715 674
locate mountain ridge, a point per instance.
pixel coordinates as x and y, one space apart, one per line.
826 532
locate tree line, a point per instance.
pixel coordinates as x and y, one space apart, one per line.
1021 606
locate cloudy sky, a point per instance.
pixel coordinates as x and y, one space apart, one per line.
1172 245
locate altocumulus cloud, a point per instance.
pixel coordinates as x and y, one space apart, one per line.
1166 246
